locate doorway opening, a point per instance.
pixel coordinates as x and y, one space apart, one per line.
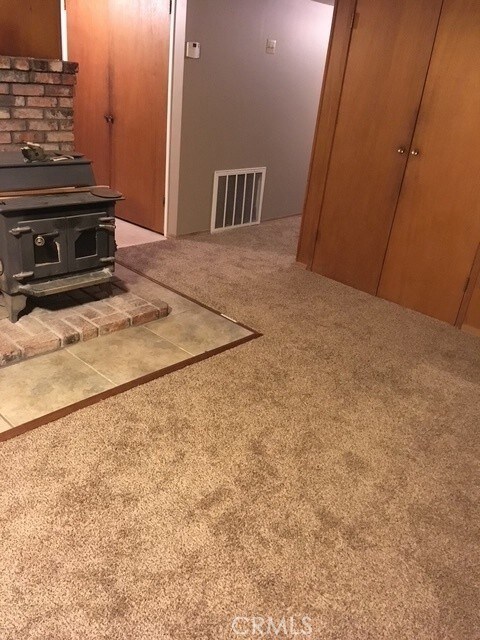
122 47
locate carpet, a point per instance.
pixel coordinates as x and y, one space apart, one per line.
320 480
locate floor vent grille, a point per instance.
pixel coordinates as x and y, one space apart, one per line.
237 198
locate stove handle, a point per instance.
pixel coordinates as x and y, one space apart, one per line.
107 227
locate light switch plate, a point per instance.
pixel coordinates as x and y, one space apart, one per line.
192 50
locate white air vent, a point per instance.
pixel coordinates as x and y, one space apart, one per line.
237 198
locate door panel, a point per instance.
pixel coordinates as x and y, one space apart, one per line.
139 53
88 28
89 240
437 226
44 247
382 90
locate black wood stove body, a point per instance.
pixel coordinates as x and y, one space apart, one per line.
57 229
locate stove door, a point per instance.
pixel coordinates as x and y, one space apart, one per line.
91 240
43 247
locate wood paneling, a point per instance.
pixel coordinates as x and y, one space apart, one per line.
122 47
30 28
139 81
437 226
327 118
387 63
87 23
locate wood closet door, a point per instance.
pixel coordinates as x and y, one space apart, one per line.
139 84
437 226
387 64
87 29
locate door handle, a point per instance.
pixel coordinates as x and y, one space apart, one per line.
415 152
109 118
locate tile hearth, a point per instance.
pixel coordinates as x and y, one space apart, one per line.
78 316
40 389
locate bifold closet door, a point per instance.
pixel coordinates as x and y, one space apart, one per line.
437 225
387 64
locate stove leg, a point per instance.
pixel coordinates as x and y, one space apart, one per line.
15 305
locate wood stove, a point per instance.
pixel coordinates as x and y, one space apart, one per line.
57 229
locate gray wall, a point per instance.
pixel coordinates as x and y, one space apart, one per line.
243 107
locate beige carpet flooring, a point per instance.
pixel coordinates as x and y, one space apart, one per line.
328 469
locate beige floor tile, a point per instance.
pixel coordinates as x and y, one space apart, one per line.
4 425
128 354
128 235
198 331
33 388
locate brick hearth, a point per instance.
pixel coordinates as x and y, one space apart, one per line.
75 317
36 103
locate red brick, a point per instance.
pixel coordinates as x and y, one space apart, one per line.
86 329
9 352
4 89
55 90
14 76
65 125
5 114
39 65
27 114
111 323
12 101
59 136
5 137
66 332
58 114
43 125
67 147
28 90
5 62
68 79
13 125
65 102
56 66
41 101
28 136
144 314
45 78
70 67
41 343
22 64
97 309
31 325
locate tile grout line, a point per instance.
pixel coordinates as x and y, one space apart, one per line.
172 343
90 367
6 420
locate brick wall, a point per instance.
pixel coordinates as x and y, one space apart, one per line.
36 103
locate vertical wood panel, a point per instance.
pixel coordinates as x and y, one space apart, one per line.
437 226
325 128
139 84
387 64
30 28
88 28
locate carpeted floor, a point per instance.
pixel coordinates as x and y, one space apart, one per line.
328 469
